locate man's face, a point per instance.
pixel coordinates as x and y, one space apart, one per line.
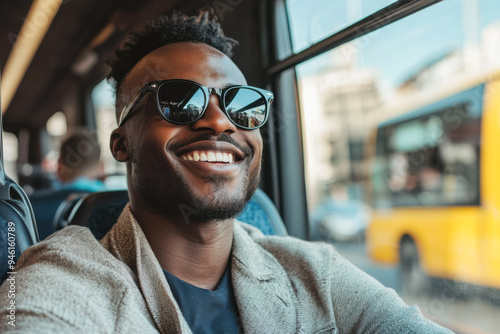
160 170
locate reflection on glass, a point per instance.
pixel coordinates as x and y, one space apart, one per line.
179 105
245 106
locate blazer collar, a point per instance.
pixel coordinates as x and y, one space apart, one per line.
129 244
263 292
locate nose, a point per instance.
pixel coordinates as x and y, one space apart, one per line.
214 118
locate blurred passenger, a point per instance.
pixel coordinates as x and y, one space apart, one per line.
79 171
79 166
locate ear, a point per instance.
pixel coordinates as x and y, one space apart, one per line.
118 144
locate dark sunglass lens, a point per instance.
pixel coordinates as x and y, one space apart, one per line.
246 107
181 102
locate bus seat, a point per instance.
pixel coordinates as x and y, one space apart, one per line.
61 218
262 213
17 221
45 204
17 224
99 211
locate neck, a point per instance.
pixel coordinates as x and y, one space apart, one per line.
195 252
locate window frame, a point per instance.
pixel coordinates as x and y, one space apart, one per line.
285 143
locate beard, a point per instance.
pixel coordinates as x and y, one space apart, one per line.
173 196
221 205
182 201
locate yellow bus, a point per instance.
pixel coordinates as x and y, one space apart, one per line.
436 186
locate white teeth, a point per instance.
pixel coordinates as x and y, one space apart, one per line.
210 156
196 156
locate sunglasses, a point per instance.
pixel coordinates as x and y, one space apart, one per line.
183 102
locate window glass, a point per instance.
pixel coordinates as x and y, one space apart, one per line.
10 149
430 161
370 110
103 98
55 129
56 125
313 21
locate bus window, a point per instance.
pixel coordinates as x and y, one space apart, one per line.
10 147
104 105
55 129
423 87
36 176
430 160
310 24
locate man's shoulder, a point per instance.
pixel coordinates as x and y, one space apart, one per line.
290 251
72 242
58 279
72 255
327 285
77 235
289 243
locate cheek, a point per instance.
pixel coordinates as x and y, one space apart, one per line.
256 141
148 141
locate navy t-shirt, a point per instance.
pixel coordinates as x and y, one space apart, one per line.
206 311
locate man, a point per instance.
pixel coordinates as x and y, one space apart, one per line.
79 165
79 168
188 147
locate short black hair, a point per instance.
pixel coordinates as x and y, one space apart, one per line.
165 30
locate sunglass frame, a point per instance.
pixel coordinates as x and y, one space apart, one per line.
154 86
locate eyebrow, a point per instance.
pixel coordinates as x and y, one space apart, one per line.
230 85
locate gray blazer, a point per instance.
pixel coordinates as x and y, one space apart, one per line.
72 283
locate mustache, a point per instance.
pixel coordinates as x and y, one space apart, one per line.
247 151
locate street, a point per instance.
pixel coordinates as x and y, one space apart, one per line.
463 316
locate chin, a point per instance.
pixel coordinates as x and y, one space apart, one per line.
222 207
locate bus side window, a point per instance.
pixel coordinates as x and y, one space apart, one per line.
418 86
10 153
430 161
103 101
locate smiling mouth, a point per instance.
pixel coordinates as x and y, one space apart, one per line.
209 156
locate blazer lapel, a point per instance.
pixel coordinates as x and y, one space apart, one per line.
132 247
263 292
